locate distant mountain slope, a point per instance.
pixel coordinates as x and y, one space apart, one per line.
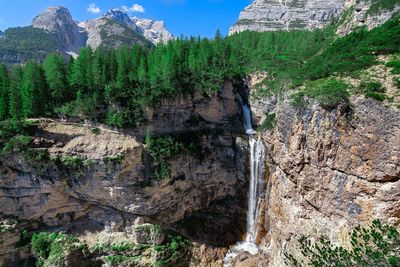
23 43
113 29
153 30
1 34
54 30
274 15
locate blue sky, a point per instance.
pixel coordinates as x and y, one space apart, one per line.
187 17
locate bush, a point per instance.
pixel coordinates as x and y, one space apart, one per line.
96 131
161 150
396 82
53 247
372 87
374 245
376 96
327 92
269 122
395 65
16 144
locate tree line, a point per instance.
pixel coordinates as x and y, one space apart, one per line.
114 86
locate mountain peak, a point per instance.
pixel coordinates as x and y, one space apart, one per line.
120 17
153 30
58 20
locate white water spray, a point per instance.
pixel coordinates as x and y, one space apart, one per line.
257 159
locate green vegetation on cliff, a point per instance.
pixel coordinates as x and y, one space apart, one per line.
374 245
115 86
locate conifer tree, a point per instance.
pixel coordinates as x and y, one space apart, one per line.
4 93
56 78
15 95
35 101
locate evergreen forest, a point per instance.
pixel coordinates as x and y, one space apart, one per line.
114 86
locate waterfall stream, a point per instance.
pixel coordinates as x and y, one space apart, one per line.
257 159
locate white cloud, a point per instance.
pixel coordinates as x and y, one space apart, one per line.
93 9
134 8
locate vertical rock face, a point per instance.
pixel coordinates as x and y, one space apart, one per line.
106 180
153 30
274 15
58 20
328 172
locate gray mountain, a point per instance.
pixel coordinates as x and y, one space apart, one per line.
113 29
274 15
54 30
116 27
153 30
58 21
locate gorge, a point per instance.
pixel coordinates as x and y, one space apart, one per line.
233 151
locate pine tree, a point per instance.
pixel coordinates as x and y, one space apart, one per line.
4 93
81 77
123 68
15 95
142 70
35 101
56 78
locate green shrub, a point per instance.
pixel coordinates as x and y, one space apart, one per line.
374 245
162 150
16 144
73 162
396 82
327 92
269 122
376 96
96 131
53 247
115 158
395 65
117 260
372 87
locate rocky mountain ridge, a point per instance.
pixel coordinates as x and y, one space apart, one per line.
274 15
113 29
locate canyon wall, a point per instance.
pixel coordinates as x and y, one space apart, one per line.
328 171
100 180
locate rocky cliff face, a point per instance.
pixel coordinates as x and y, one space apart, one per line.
58 21
274 15
102 180
327 171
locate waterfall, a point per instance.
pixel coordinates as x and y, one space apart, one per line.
257 159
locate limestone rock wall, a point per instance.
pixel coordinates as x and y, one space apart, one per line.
274 15
102 180
329 171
